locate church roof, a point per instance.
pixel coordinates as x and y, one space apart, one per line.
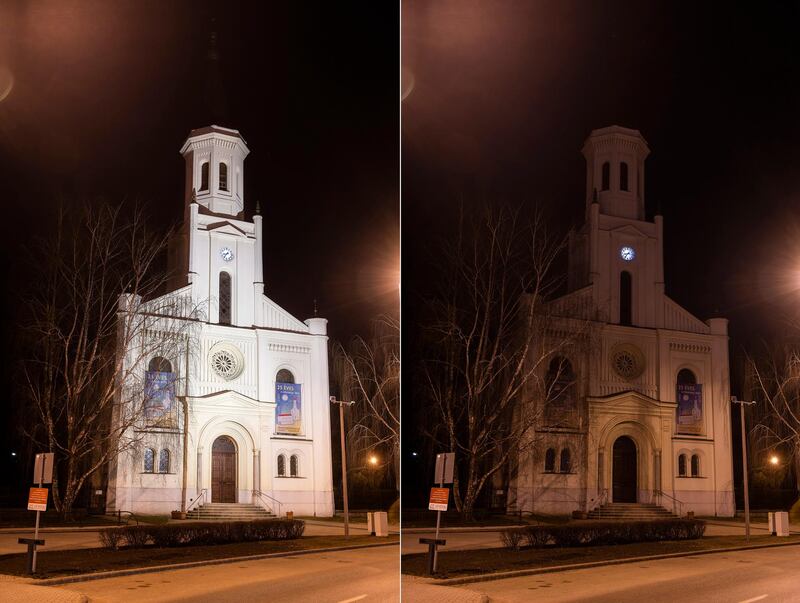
214 129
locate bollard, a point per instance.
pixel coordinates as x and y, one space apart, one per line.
31 548
432 544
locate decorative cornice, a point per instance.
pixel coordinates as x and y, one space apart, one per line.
690 347
288 347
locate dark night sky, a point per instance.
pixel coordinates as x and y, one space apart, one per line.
105 93
505 93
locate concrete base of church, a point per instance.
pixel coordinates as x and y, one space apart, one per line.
555 500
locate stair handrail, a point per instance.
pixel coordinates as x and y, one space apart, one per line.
603 498
197 500
677 506
263 495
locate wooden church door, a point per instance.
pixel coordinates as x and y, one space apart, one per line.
223 470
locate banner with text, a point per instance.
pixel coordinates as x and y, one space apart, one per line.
690 408
289 405
159 391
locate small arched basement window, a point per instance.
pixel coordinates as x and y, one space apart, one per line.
625 298
224 298
294 466
204 176
605 183
550 460
566 461
695 465
623 176
284 376
149 460
163 461
281 465
223 176
682 465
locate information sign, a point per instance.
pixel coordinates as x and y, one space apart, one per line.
439 499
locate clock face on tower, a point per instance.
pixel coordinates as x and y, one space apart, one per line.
226 254
627 253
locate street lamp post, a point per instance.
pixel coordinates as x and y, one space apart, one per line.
342 404
741 404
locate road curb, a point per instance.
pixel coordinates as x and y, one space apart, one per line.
592 564
464 529
191 564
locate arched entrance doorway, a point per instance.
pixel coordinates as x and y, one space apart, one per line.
623 472
223 470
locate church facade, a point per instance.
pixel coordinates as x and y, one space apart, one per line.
638 409
247 396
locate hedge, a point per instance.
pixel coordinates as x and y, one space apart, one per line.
184 534
602 532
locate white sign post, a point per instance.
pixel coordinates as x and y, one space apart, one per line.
445 461
42 474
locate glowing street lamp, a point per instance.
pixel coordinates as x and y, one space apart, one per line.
373 460
774 460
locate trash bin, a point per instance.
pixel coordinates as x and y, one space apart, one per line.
781 523
381 523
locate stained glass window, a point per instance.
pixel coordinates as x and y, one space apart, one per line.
293 466
163 461
550 460
224 298
149 460
281 465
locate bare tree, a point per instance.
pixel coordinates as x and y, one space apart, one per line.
94 324
368 372
773 380
490 338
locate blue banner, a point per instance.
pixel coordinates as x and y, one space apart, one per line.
690 408
159 391
288 417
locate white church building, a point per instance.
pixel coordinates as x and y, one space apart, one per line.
640 411
254 379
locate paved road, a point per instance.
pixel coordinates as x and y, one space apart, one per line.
363 575
768 575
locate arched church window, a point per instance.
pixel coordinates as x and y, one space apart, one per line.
605 177
560 383
686 377
625 297
623 176
149 460
550 460
284 376
224 298
565 466
159 364
163 461
294 464
695 465
204 176
682 465
223 176
281 465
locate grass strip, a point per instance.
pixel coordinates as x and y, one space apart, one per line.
457 564
51 564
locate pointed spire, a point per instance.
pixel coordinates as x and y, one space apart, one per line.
216 107
194 195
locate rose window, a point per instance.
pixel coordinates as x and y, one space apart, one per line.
627 361
226 361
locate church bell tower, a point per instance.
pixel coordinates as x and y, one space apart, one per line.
215 169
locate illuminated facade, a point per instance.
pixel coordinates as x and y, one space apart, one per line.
639 403
253 377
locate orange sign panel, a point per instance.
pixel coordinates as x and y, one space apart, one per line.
37 499
439 499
